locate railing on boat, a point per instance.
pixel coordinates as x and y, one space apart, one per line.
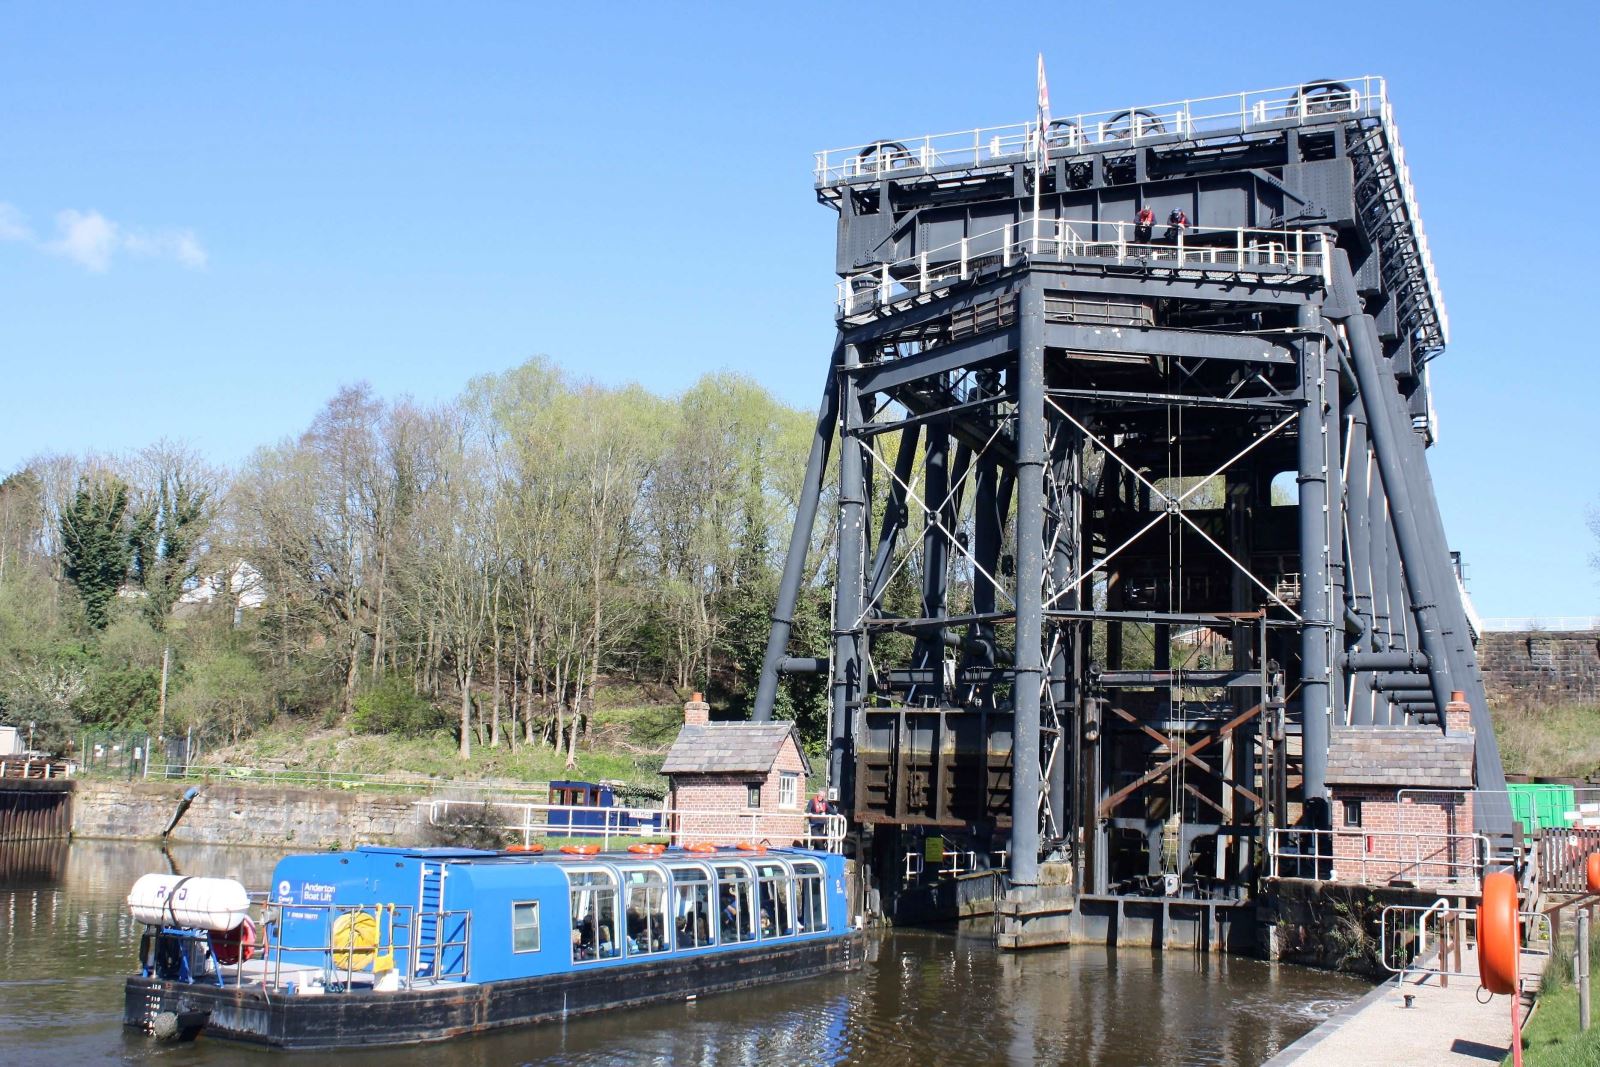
674 826
348 956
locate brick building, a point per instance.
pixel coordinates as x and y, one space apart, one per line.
1402 803
736 781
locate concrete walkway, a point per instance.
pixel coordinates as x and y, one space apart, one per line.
1443 1027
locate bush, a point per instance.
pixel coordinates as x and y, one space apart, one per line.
391 707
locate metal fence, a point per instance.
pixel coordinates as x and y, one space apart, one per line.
1562 857
677 826
1378 858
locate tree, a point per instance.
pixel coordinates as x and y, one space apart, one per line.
169 520
94 542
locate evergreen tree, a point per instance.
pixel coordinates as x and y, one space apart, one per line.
94 544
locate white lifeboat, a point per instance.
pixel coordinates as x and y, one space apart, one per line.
217 904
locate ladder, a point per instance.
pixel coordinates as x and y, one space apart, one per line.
430 919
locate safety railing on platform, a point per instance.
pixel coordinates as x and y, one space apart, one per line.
1229 113
1416 940
1379 857
35 767
674 826
1229 250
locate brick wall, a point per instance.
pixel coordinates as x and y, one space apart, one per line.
1540 667
1421 838
715 808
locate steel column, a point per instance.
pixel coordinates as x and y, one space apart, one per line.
1028 672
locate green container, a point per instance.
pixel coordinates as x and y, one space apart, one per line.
1542 807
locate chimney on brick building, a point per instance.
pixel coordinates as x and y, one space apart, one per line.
696 712
1458 714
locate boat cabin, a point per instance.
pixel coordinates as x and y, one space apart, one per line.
440 915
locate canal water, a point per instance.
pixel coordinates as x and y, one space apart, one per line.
924 997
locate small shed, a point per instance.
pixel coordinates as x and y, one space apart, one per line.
736 781
1402 805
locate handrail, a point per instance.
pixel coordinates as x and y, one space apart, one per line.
532 820
1232 248
36 767
1324 863
1229 112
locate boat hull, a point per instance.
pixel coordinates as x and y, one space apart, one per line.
337 1020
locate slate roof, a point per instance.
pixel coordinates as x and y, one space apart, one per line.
1401 756
730 748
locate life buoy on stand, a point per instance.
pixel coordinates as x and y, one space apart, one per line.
1593 872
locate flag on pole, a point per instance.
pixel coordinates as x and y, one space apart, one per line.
1044 112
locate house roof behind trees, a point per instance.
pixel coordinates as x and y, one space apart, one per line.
731 748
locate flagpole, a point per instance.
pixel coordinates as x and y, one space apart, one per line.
1041 153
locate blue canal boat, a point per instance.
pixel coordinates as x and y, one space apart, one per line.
589 809
400 946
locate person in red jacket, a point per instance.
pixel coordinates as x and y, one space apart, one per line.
817 809
1177 223
1146 223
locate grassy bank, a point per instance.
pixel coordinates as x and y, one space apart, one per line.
624 742
1556 740
1551 1038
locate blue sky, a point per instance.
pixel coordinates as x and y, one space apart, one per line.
216 214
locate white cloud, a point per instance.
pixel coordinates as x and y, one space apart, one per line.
87 238
13 226
93 241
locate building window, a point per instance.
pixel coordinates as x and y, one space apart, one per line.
788 790
1352 813
525 926
752 798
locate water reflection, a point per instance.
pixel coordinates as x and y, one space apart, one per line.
924 997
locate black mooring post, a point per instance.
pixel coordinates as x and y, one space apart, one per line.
1028 671
794 564
848 629
1315 588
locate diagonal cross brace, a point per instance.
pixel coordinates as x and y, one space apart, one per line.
1166 765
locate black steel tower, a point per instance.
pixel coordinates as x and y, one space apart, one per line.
1133 506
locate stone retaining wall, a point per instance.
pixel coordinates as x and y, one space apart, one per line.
247 815
1542 666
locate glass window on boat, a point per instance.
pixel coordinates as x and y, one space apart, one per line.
774 899
811 912
736 903
595 931
645 901
525 926
691 907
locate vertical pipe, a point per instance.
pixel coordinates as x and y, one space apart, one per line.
1316 625
1063 568
1358 570
1333 523
935 553
848 631
805 517
1029 668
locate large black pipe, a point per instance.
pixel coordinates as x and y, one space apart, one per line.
1316 635
848 630
1028 672
794 564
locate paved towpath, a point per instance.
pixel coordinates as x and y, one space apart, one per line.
1444 1027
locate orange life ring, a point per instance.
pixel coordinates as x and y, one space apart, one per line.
745 846
533 849
701 847
647 850
1498 943
1594 872
580 850
233 946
